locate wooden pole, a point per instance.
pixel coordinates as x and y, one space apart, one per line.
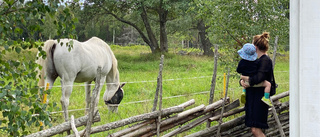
73 126
222 111
214 77
277 119
160 98
240 122
142 117
165 123
93 102
155 102
211 130
272 107
201 120
66 126
131 129
275 51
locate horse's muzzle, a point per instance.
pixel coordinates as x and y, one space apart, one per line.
112 107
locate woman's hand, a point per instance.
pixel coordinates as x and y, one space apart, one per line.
243 84
245 78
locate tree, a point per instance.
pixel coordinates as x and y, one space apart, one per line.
19 94
241 20
191 23
148 17
235 22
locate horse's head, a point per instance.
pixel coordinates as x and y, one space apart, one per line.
115 100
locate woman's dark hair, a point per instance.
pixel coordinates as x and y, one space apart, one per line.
262 41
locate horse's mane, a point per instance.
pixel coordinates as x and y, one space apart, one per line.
114 64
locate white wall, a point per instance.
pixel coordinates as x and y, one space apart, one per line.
304 68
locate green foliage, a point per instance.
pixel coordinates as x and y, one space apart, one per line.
49 28
243 20
21 24
234 23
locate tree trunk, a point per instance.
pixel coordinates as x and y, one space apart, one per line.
153 41
163 34
150 40
205 42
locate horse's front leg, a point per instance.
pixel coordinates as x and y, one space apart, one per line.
66 92
88 95
102 80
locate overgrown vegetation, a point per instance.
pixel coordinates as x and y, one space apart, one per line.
23 23
20 97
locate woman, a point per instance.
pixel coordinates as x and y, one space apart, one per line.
256 110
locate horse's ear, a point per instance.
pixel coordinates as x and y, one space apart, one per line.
122 85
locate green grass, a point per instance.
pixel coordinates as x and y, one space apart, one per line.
188 77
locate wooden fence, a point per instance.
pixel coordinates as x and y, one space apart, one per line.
178 120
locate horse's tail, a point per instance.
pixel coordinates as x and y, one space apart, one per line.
40 71
115 66
48 67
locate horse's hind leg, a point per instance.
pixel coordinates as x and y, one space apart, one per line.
66 92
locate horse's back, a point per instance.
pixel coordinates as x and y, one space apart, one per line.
82 60
95 41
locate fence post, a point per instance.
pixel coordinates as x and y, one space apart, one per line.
272 107
160 93
214 77
155 101
93 102
223 104
275 51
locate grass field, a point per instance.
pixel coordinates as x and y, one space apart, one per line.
184 78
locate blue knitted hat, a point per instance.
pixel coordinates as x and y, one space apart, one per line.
248 52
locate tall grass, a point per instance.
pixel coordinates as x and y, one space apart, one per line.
184 78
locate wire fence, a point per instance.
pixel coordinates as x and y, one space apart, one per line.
149 81
169 97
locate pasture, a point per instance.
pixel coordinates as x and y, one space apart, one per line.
184 78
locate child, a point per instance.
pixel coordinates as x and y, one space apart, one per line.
247 66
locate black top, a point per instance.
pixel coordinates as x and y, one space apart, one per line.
247 68
264 71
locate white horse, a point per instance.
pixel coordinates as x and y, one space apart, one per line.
80 65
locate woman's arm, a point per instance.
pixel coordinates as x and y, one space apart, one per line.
265 65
